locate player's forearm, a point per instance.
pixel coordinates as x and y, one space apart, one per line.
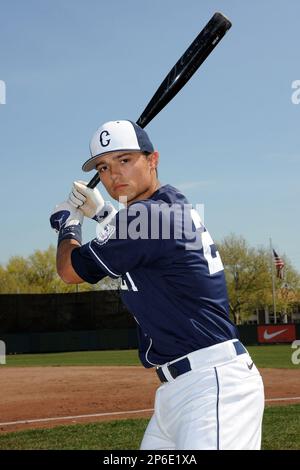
64 266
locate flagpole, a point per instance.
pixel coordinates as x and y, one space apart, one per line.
273 282
286 287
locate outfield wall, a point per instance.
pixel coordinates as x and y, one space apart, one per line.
77 322
91 340
41 313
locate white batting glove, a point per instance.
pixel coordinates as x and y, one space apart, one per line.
91 203
88 200
67 221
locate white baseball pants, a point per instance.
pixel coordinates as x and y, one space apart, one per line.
217 405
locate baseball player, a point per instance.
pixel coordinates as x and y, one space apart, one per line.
211 394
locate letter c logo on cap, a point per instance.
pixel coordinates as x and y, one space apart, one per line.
104 143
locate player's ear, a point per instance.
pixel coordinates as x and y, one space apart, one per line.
154 158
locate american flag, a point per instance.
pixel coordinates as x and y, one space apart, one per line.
279 264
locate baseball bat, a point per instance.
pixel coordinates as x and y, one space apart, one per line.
182 71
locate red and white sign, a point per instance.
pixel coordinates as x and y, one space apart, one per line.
276 333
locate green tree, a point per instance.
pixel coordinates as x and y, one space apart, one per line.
287 290
41 270
43 277
249 279
15 279
7 283
247 276
37 274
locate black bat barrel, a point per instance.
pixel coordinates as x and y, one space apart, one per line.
182 71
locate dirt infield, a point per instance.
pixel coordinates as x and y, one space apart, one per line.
61 395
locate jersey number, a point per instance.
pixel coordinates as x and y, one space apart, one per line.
214 262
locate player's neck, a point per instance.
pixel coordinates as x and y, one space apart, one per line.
146 194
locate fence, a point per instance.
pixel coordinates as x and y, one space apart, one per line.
37 323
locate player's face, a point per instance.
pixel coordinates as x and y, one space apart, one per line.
129 175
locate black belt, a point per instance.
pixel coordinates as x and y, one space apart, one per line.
183 365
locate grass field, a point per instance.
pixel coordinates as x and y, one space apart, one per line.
280 432
278 356
81 358
281 429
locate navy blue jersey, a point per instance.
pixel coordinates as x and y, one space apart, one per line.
172 276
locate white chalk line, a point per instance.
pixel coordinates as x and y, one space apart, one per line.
283 399
115 413
60 418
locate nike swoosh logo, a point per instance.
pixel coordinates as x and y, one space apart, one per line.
250 365
272 335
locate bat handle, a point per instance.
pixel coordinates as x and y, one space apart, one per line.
142 122
94 181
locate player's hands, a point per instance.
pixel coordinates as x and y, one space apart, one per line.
91 203
67 220
64 215
88 200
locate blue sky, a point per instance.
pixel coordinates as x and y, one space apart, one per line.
230 139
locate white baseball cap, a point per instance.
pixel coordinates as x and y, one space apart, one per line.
117 135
